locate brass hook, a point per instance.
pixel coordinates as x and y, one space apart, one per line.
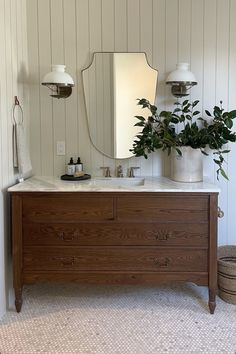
17 103
220 213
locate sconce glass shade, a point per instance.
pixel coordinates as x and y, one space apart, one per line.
181 80
59 82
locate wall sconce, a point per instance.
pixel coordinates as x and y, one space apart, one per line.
181 80
59 82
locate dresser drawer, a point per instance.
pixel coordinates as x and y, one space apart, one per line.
195 235
114 259
68 209
163 209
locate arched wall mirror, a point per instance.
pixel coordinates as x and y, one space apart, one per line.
112 84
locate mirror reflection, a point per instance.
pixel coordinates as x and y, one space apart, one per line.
112 84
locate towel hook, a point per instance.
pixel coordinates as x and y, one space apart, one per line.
17 103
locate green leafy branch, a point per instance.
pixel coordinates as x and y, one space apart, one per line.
159 131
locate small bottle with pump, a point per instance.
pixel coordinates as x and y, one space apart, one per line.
70 168
78 165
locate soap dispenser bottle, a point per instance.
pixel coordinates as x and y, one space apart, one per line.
78 165
70 168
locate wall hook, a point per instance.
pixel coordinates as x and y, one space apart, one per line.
17 103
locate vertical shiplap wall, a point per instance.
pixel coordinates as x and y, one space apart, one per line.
169 31
13 82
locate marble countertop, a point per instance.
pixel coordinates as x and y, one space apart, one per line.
101 184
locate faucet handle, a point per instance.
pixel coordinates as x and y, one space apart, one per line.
131 171
107 171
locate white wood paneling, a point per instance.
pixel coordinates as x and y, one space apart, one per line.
231 190
95 42
197 49
34 86
159 63
58 57
120 23
199 32
45 105
83 60
209 70
13 72
133 27
184 31
172 40
222 94
146 45
70 62
108 44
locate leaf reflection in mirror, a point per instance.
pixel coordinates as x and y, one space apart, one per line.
112 84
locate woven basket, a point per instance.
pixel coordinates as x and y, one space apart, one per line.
227 273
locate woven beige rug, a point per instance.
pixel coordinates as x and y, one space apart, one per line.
70 318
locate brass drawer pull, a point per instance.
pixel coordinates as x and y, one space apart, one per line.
162 262
163 235
67 237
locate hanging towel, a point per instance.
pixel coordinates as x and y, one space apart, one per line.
21 156
15 157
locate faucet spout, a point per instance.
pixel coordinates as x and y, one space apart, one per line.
120 171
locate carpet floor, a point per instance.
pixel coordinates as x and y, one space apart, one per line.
86 319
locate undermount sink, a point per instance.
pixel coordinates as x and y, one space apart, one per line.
118 182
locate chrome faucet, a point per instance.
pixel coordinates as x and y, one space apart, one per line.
107 172
119 172
131 171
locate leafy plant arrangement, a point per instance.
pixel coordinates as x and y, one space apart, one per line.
183 127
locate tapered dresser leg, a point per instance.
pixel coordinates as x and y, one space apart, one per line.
212 300
18 299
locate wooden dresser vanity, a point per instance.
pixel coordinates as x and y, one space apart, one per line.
123 237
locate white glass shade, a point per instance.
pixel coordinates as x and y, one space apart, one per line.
58 76
181 80
181 74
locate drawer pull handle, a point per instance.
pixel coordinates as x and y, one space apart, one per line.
162 262
163 235
66 261
67 237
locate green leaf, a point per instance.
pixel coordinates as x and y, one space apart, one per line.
223 173
216 161
195 103
186 109
228 123
140 118
153 109
204 153
174 120
178 151
177 110
217 112
164 114
139 124
195 113
232 114
208 113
